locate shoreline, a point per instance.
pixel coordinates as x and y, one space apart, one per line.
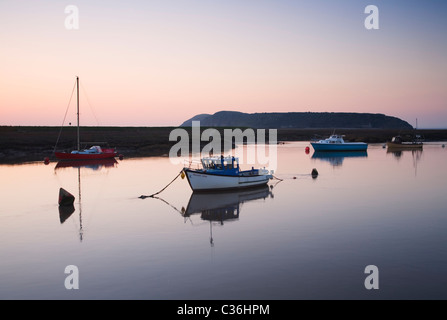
20 144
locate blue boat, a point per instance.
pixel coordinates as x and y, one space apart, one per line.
337 143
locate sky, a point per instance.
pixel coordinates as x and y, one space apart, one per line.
159 63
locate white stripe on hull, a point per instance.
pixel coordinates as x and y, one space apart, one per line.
201 181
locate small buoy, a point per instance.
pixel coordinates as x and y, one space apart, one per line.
183 175
121 157
384 146
307 150
294 177
443 145
46 160
314 173
65 198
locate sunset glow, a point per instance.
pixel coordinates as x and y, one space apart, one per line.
158 63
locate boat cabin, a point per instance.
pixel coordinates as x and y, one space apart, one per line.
227 164
91 150
333 139
396 139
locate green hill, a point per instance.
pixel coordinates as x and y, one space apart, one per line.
277 120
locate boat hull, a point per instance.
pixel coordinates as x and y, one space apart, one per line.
202 181
81 156
349 146
402 146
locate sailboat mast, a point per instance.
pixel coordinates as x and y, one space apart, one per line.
77 92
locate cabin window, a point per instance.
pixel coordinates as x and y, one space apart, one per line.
228 165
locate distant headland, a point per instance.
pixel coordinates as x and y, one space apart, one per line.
308 120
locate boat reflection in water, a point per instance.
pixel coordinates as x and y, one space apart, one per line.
416 154
217 207
397 153
336 158
89 164
66 211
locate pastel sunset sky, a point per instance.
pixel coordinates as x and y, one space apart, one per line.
158 63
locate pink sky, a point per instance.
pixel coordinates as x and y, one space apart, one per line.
154 64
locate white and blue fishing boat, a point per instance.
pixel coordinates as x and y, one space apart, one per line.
223 173
337 143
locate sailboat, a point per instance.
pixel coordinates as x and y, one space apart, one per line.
93 153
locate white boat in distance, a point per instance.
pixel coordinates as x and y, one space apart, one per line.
337 143
223 173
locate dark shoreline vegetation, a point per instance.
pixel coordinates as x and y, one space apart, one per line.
27 143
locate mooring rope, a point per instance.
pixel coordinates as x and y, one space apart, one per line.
314 174
277 178
153 195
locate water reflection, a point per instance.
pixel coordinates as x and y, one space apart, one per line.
398 153
374 211
217 207
66 211
335 158
416 154
89 164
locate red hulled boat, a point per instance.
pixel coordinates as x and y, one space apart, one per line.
92 153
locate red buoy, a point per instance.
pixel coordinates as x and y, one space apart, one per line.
307 150
121 157
46 160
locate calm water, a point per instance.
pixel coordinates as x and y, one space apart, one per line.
301 238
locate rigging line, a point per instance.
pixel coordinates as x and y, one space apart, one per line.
65 116
90 105
152 195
